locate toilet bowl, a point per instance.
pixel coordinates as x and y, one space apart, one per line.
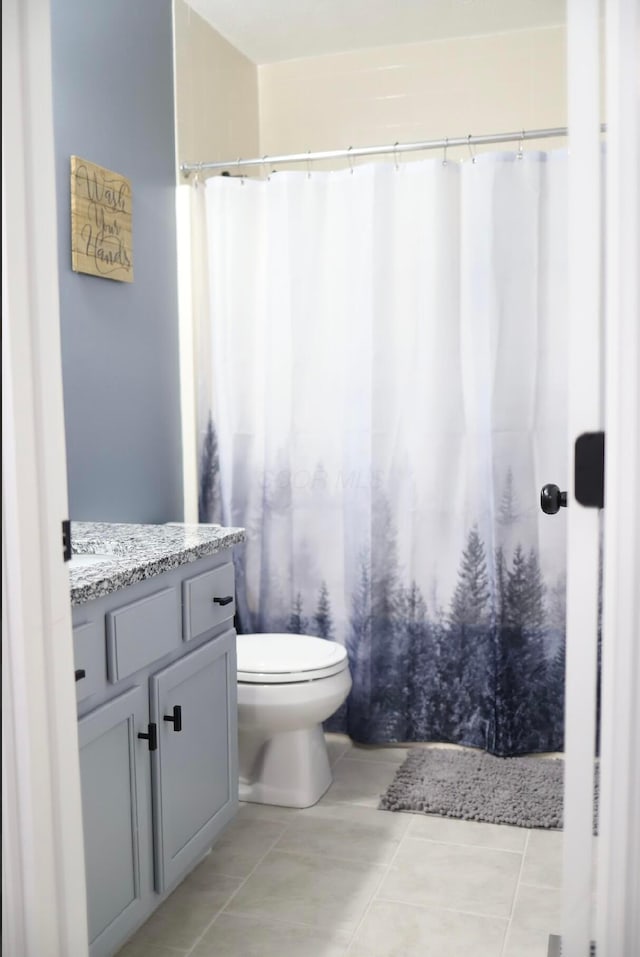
287 686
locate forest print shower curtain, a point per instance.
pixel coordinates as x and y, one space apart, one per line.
382 393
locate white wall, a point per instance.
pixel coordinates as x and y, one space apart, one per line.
227 107
419 91
216 93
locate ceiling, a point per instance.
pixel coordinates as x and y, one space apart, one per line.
268 31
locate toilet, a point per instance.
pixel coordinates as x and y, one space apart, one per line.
287 686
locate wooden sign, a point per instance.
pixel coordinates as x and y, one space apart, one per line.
100 222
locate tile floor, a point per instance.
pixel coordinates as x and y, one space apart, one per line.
343 879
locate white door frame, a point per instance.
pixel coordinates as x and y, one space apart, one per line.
615 921
585 415
43 880
618 923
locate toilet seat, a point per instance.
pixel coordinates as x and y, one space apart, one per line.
285 658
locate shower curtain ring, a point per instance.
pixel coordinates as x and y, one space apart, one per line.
350 159
241 174
309 164
446 147
395 155
520 154
264 161
473 159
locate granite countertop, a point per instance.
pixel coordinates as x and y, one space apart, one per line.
107 557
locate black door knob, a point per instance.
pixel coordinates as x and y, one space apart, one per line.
552 499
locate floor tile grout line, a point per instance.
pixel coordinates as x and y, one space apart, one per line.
434 905
392 840
541 887
237 890
345 803
276 920
226 907
285 827
374 895
479 847
377 897
307 855
338 760
515 895
288 825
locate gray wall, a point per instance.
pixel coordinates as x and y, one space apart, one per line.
113 105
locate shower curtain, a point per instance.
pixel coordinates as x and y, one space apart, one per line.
381 395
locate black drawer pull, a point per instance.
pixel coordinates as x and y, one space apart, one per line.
80 674
223 601
151 736
175 718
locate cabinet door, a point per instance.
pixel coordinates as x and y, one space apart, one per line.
195 769
114 771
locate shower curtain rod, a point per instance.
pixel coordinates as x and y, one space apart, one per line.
442 144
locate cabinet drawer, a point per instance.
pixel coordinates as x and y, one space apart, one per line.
88 658
205 601
142 632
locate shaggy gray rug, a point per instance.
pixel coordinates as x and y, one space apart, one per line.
526 792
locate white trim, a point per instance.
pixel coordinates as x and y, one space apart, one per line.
582 523
13 891
187 355
619 852
185 319
43 871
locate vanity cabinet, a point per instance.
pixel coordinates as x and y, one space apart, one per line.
157 732
114 775
194 767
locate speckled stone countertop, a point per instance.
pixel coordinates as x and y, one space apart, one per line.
124 554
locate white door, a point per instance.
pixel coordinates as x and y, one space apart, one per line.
618 899
43 885
585 416
600 260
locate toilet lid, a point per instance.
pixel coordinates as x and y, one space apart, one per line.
278 659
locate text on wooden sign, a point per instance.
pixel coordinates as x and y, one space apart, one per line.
101 242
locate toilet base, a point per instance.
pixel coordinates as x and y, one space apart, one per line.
290 769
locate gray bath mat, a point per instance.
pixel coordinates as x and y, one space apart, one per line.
526 792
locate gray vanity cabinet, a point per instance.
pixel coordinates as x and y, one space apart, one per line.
114 772
157 710
193 702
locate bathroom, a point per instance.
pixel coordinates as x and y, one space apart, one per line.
161 88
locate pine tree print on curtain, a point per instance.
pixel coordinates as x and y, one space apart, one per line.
465 672
387 380
209 497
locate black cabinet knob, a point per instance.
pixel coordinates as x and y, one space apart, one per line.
175 718
80 674
223 601
552 499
